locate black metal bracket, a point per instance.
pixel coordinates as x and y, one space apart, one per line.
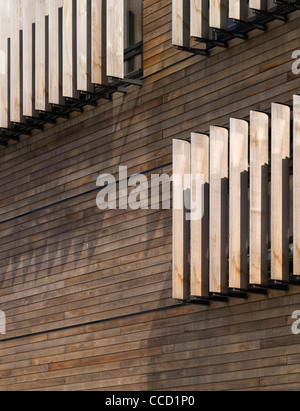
218 297
213 43
278 285
274 15
257 289
237 293
293 5
199 300
193 50
251 25
127 81
233 34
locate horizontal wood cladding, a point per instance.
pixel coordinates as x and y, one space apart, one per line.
63 263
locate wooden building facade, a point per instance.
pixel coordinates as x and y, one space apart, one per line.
92 299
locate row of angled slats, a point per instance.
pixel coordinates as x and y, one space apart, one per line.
193 18
223 159
39 79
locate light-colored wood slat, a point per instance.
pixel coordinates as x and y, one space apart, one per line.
238 203
200 225
258 4
99 42
69 63
181 23
238 9
115 22
259 209
296 185
218 236
16 20
83 44
28 58
218 14
4 35
199 18
181 232
55 87
41 69
280 172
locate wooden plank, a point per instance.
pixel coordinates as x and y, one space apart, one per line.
280 175
258 4
55 63
238 204
69 52
259 209
199 18
115 21
41 56
296 184
238 9
83 44
181 23
4 57
218 14
16 20
218 236
181 234
99 42
200 226
28 57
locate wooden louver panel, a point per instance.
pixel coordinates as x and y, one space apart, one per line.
41 57
218 248
68 45
258 4
296 185
28 57
200 225
218 14
181 233
280 172
115 22
54 52
238 204
181 22
83 32
15 60
259 131
4 55
238 9
98 42
199 18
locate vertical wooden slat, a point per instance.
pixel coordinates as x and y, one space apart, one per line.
69 54
115 38
258 4
199 18
280 167
296 185
28 56
54 53
41 88
181 233
181 23
15 61
259 132
4 35
99 42
238 9
218 236
238 204
218 14
200 227
83 44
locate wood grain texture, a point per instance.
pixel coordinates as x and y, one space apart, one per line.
98 42
181 23
259 202
55 61
41 59
238 204
4 58
238 9
200 225
199 18
280 174
115 25
218 14
28 57
296 185
218 234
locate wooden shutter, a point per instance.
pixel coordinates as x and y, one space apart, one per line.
28 56
181 23
218 14
238 9
41 68
181 232
218 241
238 204
69 62
99 42
259 132
55 63
199 18
115 38
280 175
200 227
4 55
296 185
